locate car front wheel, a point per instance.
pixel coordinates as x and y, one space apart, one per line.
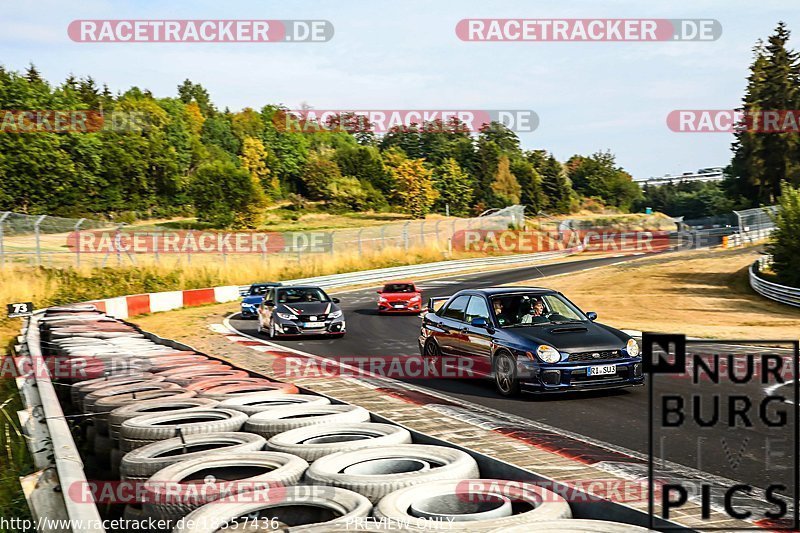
505 374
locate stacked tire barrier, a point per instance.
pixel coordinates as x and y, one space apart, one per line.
209 446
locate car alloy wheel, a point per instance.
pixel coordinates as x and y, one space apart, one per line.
432 350
505 374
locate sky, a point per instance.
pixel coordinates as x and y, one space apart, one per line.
589 96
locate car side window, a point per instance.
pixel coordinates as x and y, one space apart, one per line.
477 308
456 308
269 295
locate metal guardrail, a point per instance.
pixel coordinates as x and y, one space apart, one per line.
773 291
57 438
425 269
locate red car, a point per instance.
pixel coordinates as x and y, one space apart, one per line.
399 297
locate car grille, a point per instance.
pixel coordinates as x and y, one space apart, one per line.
398 302
307 318
589 356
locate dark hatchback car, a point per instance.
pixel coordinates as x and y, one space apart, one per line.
530 339
300 310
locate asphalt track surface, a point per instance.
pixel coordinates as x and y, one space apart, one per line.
617 417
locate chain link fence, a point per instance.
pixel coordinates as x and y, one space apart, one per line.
55 241
754 225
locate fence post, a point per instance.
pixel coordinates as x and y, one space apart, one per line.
422 233
405 235
38 243
359 241
436 227
332 233
78 242
383 237
3 218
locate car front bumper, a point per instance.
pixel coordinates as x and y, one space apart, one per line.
566 377
295 328
389 307
249 312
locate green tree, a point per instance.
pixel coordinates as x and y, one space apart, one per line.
785 245
598 175
454 187
222 194
318 174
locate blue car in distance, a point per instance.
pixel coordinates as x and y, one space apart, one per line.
254 296
529 339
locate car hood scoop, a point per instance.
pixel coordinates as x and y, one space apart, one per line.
567 329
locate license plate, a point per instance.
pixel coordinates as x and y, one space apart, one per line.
399 306
313 325
602 370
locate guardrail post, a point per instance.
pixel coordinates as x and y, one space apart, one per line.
36 231
78 242
3 218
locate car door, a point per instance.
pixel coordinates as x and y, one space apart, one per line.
477 341
451 322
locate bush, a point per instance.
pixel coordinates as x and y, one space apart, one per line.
223 194
785 242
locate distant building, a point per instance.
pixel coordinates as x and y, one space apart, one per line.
702 175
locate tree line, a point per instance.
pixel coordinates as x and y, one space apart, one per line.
189 157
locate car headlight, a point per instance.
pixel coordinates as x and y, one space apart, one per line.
286 316
414 299
548 354
632 348
382 299
335 314
247 305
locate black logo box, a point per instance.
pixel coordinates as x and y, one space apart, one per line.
675 362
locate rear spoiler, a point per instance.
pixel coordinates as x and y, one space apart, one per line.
435 303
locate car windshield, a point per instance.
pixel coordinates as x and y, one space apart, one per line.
300 295
531 309
258 290
398 287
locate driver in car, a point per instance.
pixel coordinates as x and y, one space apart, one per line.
535 312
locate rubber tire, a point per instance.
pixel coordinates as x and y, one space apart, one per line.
234 390
456 464
208 518
576 525
251 404
270 423
142 428
547 505
293 441
121 414
285 470
514 386
143 462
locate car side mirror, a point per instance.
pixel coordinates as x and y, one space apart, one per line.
591 315
335 300
269 303
479 322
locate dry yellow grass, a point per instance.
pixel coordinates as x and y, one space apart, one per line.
702 294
